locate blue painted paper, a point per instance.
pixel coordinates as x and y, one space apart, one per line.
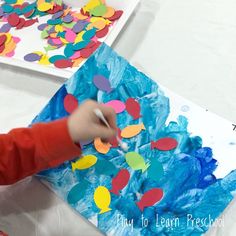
189 185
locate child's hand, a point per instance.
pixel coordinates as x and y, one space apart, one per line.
84 125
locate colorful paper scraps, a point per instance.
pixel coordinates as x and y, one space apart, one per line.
70 103
155 170
165 144
133 108
132 130
120 181
8 44
84 163
102 199
101 147
136 161
77 192
150 198
117 105
102 83
66 26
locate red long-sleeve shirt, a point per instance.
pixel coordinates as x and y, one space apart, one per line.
27 151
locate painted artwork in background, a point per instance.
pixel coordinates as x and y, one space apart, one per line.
78 32
166 173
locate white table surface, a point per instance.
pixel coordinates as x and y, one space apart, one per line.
188 46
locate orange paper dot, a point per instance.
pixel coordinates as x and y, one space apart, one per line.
101 147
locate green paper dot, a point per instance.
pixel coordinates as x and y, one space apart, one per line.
99 10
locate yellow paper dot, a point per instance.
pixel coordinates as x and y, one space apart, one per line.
79 37
91 4
45 6
77 62
64 40
59 28
44 60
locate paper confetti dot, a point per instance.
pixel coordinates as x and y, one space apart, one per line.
13 19
116 16
102 33
5 28
3 39
86 52
7 8
2 48
42 26
89 34
57 15
67 18
63 63
31 57
165 144
55 58
70 103
10 1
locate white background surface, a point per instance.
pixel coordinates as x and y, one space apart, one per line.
188 46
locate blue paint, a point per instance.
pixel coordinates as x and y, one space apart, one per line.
188 180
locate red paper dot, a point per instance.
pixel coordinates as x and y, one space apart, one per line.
86 52
63 63
29 14
13 19
70 103
102 33
21 24
116 16
83 12
165 144
2 47
30 22
3 39
55 9
113 141
91 44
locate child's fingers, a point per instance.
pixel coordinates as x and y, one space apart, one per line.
110 116
103 132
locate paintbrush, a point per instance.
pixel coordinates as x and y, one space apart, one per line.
100 115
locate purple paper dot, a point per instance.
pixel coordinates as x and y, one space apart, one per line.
50 41
78 27
57 15
32 57
1 12
52 30
102 83
42 26
68 18
5 28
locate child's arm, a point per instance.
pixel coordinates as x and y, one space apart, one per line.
26 151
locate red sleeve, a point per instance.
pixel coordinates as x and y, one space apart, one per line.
26 151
